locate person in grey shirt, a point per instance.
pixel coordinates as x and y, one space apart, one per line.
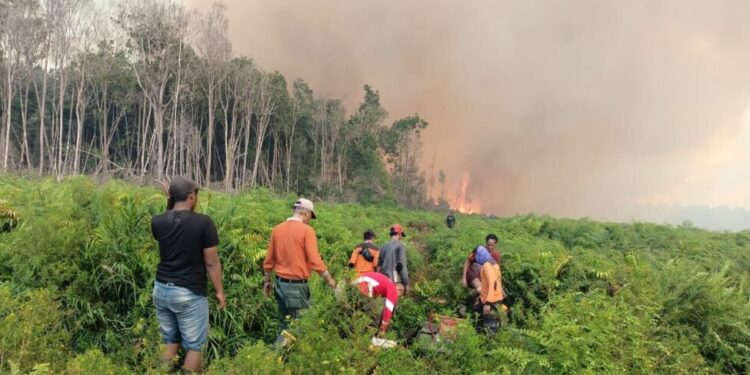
392 260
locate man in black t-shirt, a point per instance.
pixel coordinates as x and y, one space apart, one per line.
188 256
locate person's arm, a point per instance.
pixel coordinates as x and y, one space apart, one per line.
403 273
268 265
353 258
213 267
153 229
210 243
313 257
467 263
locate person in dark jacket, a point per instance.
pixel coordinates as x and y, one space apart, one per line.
450 221
392 262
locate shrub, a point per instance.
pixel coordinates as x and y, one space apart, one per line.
32 330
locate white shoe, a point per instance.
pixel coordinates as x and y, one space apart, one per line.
383 343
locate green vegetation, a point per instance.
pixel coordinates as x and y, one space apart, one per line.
77 266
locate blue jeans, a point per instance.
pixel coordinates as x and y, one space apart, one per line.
182 316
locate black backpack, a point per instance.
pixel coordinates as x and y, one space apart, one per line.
365 252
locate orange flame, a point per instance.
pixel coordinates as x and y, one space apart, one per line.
463 203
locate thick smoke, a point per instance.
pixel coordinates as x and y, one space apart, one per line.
572 108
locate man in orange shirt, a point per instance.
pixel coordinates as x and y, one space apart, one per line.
293 255
365 255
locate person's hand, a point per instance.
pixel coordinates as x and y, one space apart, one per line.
332 283
486 310
222 300
464 283
267 288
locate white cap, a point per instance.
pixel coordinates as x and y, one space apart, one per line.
306 204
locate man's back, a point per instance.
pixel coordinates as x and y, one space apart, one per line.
358 260
182 236
293 251
392 261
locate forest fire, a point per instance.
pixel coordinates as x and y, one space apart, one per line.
463 203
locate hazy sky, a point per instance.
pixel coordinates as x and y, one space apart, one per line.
572 108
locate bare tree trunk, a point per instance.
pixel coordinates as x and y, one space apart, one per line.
61 119
274 159
260 134
290 144
146 119
80 116
246 151
103 106
173 137
228 151
210 140
8 114
266 107
159 135
67 141
41 102
25 151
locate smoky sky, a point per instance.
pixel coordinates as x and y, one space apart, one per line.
571 108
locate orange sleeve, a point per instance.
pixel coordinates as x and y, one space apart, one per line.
311 250
270 261
353 258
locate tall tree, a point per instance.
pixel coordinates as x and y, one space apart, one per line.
264 108
156 31
14 22
236 100
213 47
402 144
366 167
301 104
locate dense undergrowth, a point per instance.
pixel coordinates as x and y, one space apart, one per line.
77 265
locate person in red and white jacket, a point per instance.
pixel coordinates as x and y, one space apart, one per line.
374 284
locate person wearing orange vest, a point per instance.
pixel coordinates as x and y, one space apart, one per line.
471 270
365 255
491 294
374 284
